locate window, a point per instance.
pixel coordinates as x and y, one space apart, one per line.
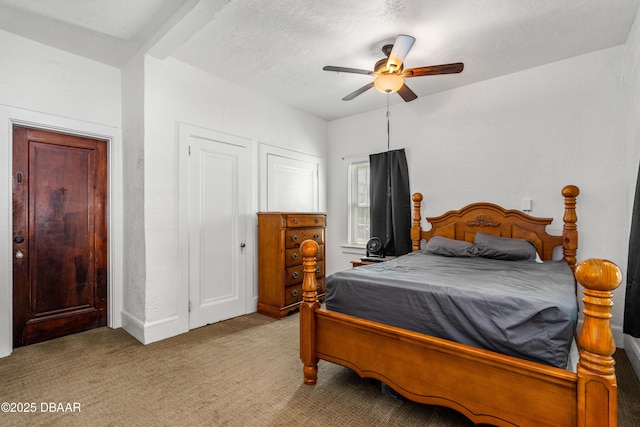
359 229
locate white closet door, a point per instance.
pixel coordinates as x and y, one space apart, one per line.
219 202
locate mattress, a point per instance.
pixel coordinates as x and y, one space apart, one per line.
519 308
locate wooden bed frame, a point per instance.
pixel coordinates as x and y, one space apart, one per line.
485 386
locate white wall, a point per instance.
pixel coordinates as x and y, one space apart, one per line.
45 87
631 73
36 77
522 135
133 126
177 93
50 88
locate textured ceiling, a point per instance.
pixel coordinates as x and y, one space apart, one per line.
278 47
117 18
108 31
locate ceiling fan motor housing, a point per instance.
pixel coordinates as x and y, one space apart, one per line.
381 67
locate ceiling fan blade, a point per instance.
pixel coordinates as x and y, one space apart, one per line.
401 48
433 70
406 93
347 70
358 92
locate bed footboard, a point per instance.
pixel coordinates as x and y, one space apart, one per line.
478 383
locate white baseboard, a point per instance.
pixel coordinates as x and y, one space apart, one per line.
632 348
133 326
148 332
5 352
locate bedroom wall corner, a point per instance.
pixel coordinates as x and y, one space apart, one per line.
133 252
149 332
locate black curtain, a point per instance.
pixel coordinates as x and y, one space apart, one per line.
632 297
390 200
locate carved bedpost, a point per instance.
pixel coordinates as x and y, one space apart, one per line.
570 230
308 307
416 229
597 388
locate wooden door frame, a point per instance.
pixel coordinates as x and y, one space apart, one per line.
10 116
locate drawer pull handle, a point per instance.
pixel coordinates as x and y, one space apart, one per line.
295 220
295 274
316 220
317 269
294 255
294 293
294 238
316 236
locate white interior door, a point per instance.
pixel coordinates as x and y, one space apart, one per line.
219 199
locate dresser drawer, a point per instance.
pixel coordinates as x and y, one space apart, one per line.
294 257
303 220
292 294
293 238
295 273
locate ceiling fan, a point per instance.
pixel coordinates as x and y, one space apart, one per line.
390 72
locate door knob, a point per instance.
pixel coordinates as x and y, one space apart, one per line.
19 255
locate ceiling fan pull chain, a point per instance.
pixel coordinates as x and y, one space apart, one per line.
388 127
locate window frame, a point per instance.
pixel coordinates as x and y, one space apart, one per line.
351 241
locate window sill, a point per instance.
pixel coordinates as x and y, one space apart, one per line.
353 249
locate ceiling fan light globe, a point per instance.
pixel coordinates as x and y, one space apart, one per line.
388 83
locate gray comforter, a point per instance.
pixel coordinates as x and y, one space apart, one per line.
519 308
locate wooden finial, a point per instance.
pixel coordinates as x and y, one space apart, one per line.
415 222
308 306
596 373
309 250
599 277
570 191
599 274
570 229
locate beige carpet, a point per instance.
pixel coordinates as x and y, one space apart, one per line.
242 372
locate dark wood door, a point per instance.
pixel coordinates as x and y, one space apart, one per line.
59 235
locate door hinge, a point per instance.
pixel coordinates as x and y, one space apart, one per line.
189 150
189 306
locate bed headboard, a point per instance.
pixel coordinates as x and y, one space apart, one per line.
492 219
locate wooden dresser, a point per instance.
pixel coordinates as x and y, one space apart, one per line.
280 262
